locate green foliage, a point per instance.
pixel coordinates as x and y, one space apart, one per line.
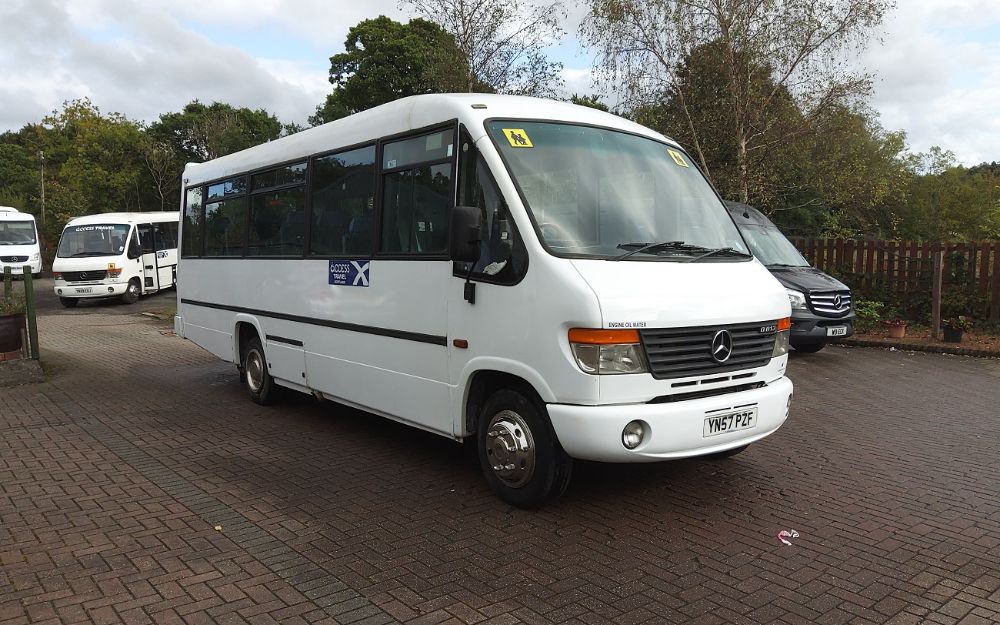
593 101
13 305
961 322
869 315
202 132
385 60
949 202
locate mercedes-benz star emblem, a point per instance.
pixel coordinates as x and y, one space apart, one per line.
836 300
722 346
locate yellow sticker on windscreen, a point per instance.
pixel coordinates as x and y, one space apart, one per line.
517 138
678 157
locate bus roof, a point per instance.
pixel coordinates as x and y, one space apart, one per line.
124 218
9 213
401 116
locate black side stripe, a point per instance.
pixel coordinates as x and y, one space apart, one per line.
281 339
433 339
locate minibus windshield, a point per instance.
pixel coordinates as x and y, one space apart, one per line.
599 193
17 232
93 240
771 247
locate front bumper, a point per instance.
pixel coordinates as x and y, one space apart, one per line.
95 290
675 430
17 269
810 328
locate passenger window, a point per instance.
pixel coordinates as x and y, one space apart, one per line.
503 257
343 198
225 224
278 223
193 223
164 235
290 174
146 238
416 201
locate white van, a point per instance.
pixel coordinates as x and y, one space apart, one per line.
19 242
547 280
116 255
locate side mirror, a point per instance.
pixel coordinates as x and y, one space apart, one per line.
466 223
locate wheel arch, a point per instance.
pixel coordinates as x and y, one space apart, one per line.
245 328
481 383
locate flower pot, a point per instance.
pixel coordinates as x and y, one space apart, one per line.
952 335
897 332
10 332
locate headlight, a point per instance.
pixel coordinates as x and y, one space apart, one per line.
36 257
796 299
781 338
607 352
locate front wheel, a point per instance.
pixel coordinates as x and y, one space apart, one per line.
519 453
131 294
809 348
259 382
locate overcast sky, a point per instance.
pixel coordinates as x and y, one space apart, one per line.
938 68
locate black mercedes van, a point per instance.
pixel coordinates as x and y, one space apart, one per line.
821 305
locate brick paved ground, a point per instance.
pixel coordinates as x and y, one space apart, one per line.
113 480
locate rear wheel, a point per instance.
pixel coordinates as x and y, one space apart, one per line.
259 382
521 458
809 348
131 294
69 302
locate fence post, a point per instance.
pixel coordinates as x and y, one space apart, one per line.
29 310
6 283
936 294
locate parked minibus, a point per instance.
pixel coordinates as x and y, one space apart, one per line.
821 305
19 246
124 255
546 281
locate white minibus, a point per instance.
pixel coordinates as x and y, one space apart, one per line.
547 280
19 242
123 255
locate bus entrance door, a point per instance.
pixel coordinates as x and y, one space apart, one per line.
150 271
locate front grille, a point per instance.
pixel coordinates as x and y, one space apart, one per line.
685 352
84 276
14 259
830 303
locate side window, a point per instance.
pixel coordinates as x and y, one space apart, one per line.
146 238
278 212
165 235
343 199
225 218
194 218
502 257
417 193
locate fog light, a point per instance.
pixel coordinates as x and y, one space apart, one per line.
59 291
633 434
111 289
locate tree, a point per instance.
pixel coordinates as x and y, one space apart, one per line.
385 60
794 44
202 132
593 101
503 40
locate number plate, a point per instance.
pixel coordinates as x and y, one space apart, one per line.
837 331
88 289
730 422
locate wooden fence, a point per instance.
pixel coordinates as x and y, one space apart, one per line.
902 271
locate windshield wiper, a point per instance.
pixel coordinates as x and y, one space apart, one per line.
81 254
653 247
728 251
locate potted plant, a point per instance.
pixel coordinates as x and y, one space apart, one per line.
11 322
897 327
953 327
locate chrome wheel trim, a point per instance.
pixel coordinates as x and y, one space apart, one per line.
510 448
255 371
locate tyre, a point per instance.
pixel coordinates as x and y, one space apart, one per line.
36 276
809 348
721 455
69 302
260 384
520 455
132 292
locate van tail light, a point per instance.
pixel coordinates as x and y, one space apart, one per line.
603 352
114 273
